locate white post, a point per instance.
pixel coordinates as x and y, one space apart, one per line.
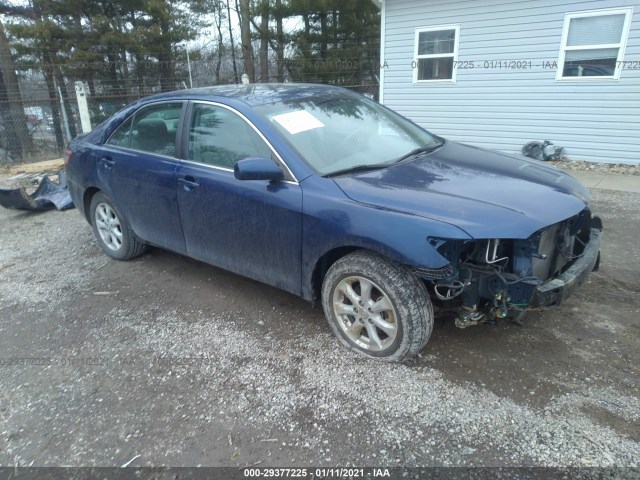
189 67
64 112
83 107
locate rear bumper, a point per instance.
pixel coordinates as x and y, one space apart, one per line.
555 291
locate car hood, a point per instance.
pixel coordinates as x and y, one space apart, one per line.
485 193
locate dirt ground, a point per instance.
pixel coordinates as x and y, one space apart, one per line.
184 364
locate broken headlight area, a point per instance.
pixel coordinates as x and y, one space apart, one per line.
504 278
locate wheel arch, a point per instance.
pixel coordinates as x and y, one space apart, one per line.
323 264
86 202
313 285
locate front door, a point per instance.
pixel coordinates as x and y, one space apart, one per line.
251 227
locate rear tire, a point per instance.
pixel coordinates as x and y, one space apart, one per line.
376 307
112 230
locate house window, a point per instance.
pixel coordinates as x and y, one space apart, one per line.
593 44
435 54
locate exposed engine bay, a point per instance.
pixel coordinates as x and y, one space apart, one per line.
504 278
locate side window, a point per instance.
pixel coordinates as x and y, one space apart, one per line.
154 128
593 44
220 138
121 136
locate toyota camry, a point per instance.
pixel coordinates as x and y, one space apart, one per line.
331 196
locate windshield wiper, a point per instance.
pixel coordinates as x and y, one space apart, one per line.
415 152
365 168
357 168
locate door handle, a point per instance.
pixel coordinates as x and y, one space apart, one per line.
189 183
107 162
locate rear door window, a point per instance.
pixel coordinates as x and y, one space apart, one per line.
152 129
122 135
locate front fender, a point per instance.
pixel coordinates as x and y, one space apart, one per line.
332 221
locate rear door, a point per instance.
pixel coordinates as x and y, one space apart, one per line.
138 165
251 227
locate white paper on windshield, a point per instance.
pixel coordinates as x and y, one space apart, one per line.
299 121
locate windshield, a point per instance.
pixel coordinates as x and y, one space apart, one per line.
338 132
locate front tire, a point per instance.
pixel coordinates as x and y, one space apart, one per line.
376 307
112 230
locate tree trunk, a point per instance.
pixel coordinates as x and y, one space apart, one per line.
125 76
53 103
279 41
17 139
165 58
264 42
306 44
233 48
218 19
10 149
49 77
65 100
334 28
165 72
324 35
245 36
114 82
122 54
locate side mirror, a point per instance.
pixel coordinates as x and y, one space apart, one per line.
257 169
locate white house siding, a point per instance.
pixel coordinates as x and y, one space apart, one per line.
595 120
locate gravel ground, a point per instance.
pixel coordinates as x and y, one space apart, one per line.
597 167
185 364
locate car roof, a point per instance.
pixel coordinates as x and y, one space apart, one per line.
252 94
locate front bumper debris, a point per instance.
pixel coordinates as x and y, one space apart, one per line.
48 195
555 291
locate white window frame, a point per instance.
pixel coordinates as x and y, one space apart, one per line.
454 55
627 11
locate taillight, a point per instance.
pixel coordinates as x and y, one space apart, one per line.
67 157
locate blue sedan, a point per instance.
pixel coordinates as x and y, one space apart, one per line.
326 194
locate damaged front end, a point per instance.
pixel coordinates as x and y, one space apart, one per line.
505 278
